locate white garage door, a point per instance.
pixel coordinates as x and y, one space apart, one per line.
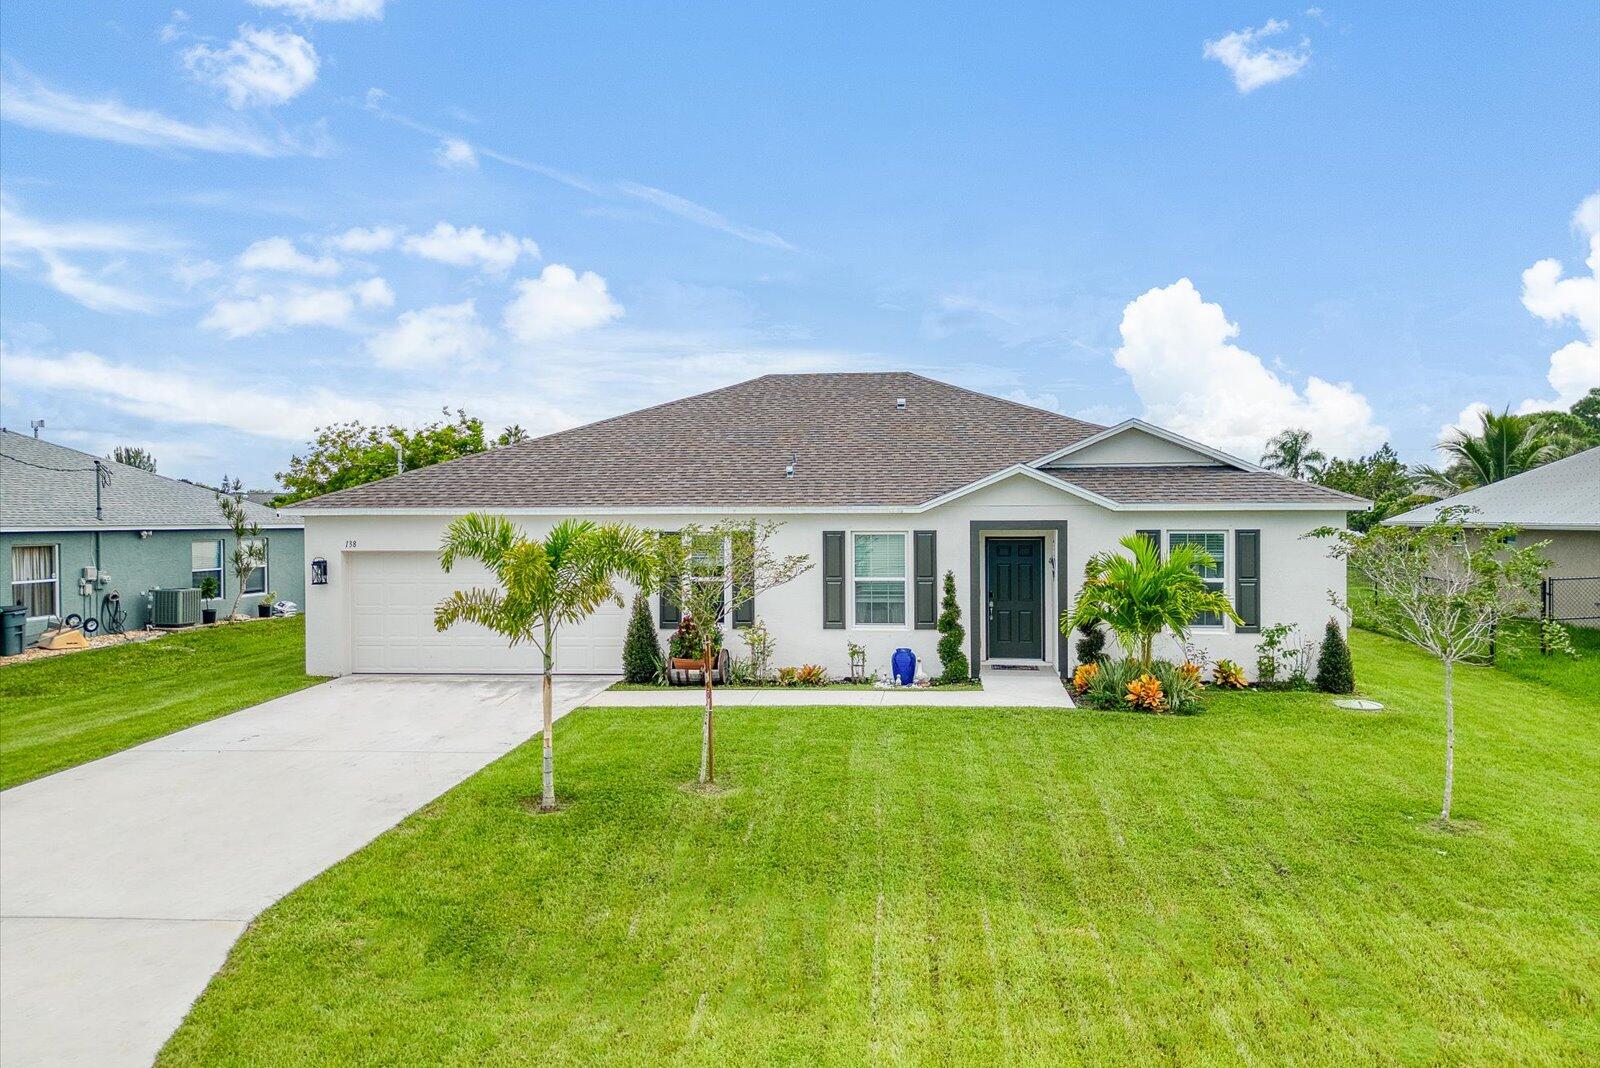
392 600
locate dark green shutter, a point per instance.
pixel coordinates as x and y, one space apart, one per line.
925 571
670 613
833 579
1247 579
744 612
1153 537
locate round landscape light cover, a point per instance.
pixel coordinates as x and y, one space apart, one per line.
1360 705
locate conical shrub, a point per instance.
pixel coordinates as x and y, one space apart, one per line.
641 652
1336 673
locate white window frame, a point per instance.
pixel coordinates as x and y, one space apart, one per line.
222 557
54 581
262 570
1219 582
905 580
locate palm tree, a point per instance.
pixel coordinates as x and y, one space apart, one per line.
541 586
1139 594
1290 453
1504 445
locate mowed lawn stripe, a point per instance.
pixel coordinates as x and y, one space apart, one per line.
1260 883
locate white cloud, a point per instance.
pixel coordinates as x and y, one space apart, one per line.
559 302
701 215
369 239
168 396
454 152
1575 366
174 27
1178 351
280 254
471 247
1253 64
430 337
38 245
259 68
374 293
107 119
326 10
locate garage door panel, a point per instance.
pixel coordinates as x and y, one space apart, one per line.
391 618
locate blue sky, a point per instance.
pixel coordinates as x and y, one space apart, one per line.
229 224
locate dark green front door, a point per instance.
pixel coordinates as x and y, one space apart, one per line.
1016 598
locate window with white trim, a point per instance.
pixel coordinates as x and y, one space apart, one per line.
257 582
879 575
35 582
1215 543
205 559
708 564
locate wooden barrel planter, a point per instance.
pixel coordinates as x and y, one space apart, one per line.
683 672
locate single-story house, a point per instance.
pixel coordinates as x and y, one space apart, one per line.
886 480
76 528
1559 503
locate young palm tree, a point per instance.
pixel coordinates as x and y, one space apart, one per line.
1504 445
542 586
1290 453
1138 594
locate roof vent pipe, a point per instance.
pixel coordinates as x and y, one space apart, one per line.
899 404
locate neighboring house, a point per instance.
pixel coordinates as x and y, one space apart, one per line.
59 516
886 481
1558 502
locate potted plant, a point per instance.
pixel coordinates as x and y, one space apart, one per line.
268 599
687 645
208 592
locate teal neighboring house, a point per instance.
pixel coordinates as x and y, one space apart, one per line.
76 528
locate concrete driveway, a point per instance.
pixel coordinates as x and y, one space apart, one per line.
124 882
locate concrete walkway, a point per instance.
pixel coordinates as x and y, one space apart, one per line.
1002 688
123 883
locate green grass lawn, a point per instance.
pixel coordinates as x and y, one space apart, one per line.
61 711
1259 884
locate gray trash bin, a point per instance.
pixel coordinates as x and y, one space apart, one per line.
13 629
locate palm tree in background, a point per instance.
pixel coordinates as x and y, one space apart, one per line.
540 587
1291 453
1504 445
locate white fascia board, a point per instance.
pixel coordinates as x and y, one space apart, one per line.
62 529
1154 431
1018 469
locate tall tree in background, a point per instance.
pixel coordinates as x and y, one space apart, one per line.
1381 478
1587 408
540 587
134 456
512 435
1291 453
353 453
1504 445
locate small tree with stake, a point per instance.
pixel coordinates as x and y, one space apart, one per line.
712 568
1445 588
952 660
248 551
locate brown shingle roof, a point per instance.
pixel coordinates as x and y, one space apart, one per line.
1178 484
729 448
852 447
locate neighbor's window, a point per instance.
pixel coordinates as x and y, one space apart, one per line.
33 579
1214 542
880 579
205 558
257 582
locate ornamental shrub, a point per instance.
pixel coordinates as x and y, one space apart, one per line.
952 635
1145 693
1336 673
1228 675
1108 687
641 652
1083 676
1090 647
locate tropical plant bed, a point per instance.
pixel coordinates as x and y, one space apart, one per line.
1261 884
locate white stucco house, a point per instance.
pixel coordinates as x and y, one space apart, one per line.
887 481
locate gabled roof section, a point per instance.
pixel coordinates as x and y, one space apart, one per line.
1561 495
1084 452
46 487
852 446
